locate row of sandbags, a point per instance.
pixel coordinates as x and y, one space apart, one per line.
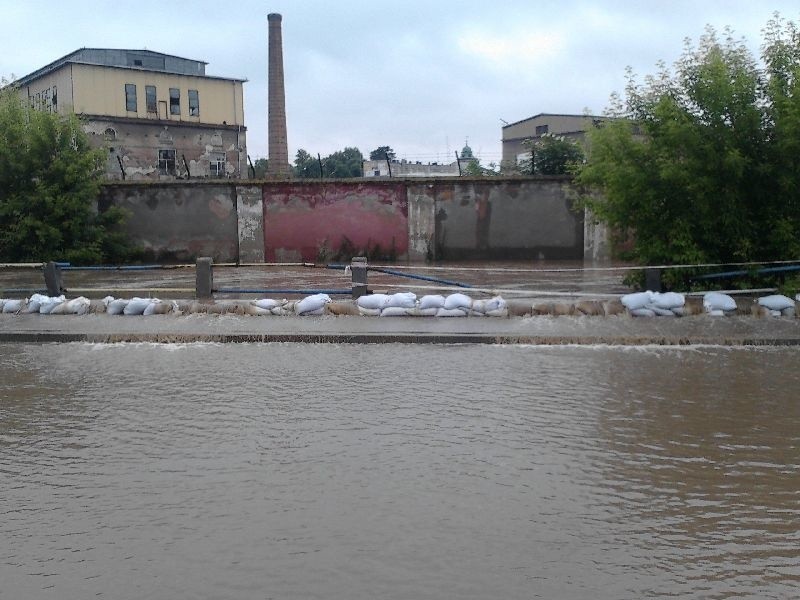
46 305
717 304
406 304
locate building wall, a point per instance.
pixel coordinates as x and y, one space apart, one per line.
379 168
100 90
40 91
434 219
569 126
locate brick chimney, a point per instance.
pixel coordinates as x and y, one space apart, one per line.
278 144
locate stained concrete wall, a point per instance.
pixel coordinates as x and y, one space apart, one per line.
177 222
317 221
411 219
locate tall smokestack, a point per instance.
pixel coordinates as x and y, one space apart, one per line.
278 143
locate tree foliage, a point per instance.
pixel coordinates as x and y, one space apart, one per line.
382 153
260 168
340 164
49 183
551 155
703 164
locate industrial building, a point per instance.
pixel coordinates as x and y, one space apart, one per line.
159 116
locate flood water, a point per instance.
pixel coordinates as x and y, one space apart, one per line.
246 471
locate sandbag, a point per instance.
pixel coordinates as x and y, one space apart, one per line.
718 301
422 312
157 307
776 302
266 303
312 305
788 312
342 309
661 312
135 306
2 302
33 303
667 300
46 307
451 312
373 301
500 312
637 300
13 306
431 301
457 300
395 311
77 306
402 300
369 312
642 312
115 307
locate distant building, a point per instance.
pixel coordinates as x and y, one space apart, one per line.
404 168
571 127
159 116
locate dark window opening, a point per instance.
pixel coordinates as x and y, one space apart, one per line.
137 63
542 129
174 101
166 161
194 103
130 97
217 165
150 98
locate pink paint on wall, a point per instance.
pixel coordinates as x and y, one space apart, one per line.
300 219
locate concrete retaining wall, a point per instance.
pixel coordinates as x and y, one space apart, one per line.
409 219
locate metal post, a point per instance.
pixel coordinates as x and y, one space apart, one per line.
458 162
652 280
358 270
204 278
52 279
388 163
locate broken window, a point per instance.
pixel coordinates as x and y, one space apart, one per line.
542 129
150 98
194 103
130 97
217 164
174 101
166 161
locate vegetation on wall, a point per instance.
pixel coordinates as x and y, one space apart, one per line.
341 164
49 182
704 164
551 155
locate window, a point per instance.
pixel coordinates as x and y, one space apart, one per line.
541 129
194 103
166 161
109 134
55 99
217 164
150 98
130 97
174 101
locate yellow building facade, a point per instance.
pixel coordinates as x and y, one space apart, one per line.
160 116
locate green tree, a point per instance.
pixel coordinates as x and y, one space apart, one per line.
49 183
305 165
344 163
381 153
260 168
551 155
703 164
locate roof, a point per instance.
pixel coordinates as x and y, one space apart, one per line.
555 115
143 60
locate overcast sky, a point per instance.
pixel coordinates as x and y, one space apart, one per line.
419 76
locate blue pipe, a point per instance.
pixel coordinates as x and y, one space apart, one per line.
279 291
422 277
741 273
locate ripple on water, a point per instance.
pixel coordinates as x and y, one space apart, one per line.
209 470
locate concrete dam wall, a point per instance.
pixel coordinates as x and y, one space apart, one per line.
392 219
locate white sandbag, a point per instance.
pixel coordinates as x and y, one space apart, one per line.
776 302
642 312
116 307
715 312
152 307
718 301
135 306
402 300
373 301
457 300
266 303
426 312
679 311
661 312
788 312
2 302
315 312
369 312
395 311
50 304
312 305
495 304
636 300
451 312
667 300
77 306
34 302
431 301
775 313
13 306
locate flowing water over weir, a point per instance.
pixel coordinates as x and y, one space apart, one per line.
398 471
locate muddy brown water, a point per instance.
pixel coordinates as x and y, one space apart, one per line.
398 471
